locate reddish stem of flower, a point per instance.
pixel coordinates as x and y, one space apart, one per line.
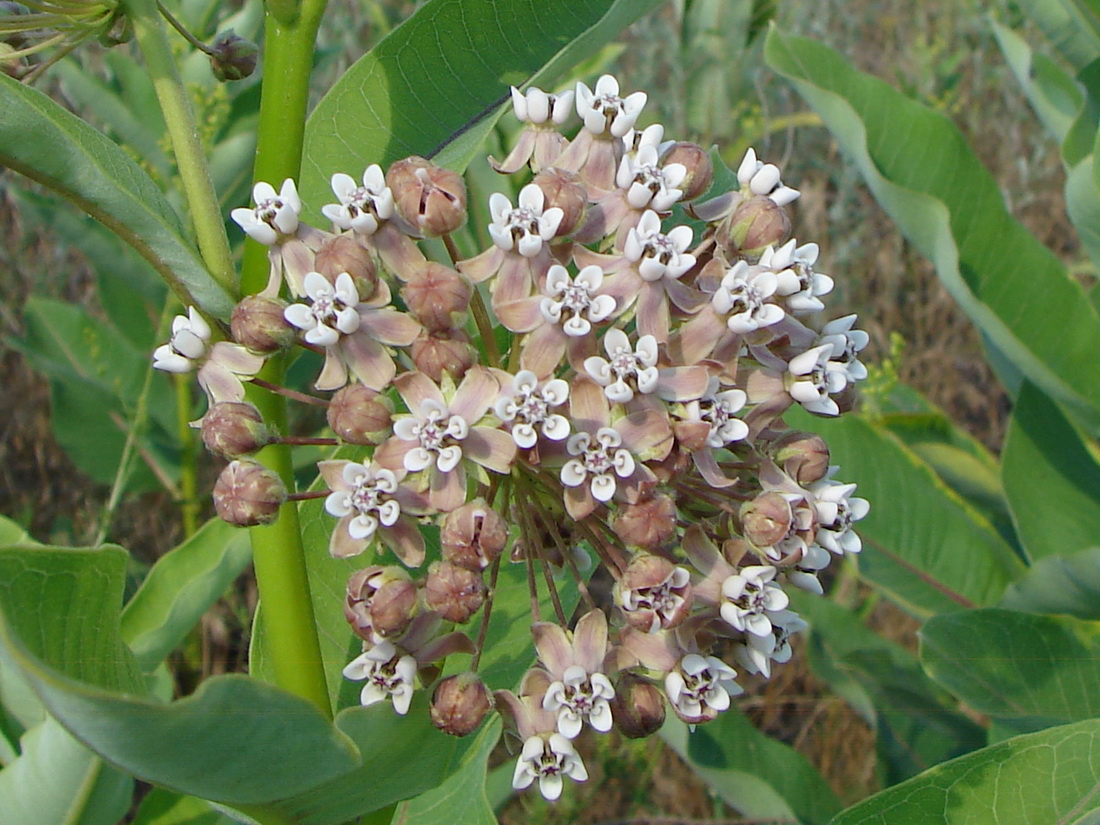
307 495
300 440
288 393
485 614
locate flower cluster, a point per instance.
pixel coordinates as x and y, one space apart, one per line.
603 382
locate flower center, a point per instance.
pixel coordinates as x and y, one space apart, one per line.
521 222
532 409
268 209
361 201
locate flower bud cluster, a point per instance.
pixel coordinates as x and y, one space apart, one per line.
603 383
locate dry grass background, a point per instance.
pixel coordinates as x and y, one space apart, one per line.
938 51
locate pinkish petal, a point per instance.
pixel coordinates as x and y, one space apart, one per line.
391 454
652 312
579 502
696 338
389 326
491 448
588 406
412 501
334 374
708 468
236 358
701 552
333 473
660 651
610 264
416 387
342 545
518 157
646 434
219 383
398 252
682 383
368 360
454 642
448 490
476 393
623 287
553 647
590 640
403 537
513 279
683 296
543 350
482 267
522 315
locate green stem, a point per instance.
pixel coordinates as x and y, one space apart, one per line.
289 624
194 171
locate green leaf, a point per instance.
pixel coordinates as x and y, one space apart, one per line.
12 535
163 807
922 172
758 776
60 626
1027 670
1051 479
1064 25
60 151
1083 205
58 780
1059 584
1036 779
462 799
180 587
922 544
436 85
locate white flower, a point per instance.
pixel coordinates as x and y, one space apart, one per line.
812 378
798 283
647 183
756 653
434 428
836 510
576 297
578 697
274 216
361 208
763 179
603 111
389 674
651 135
718 409
368 495
701 681
526 227
331 312
750 598
599 460
656 253
548 759
528 408
190 338
846 343
743 297
536 106
625 368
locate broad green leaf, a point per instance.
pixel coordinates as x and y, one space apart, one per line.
1083 205
1037 779
58 780
920 169
12 535
1027 670
756 775
922 544
60 625
462 799
163 807
436 84
1062 23
60 151
917 726
1059 584
1051 479
180 587
1052 93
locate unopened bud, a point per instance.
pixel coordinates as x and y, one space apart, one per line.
767 519
247 494
647 524
444 351
460 703
259 325
803 456
359 415
381 601
233 57
700 169
453 592
473 536
344 254
430 198
231 429
638 707
565 191
438 296
755 224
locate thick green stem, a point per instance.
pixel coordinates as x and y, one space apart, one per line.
289 625
194 171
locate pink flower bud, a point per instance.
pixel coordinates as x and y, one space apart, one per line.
247 494
343 253
438 296
473 535
259 325
767 519
648 524
381 601
638 707
233 57
565 191
460 703
755 224
453 592
430 198
445 351
803 456
700 168
231 429
359 415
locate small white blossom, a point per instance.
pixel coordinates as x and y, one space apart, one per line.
548 759
575 298
189 341
750 598
603 111
625 368
719 410
763 179
658 255
836 510
275 214
528 407
389 674
799 284
647 183
743 297
536 106
756 653
812 377
598 461
846 345
369 496
526 227
435 429
361 208
700 682
331 312
578 697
